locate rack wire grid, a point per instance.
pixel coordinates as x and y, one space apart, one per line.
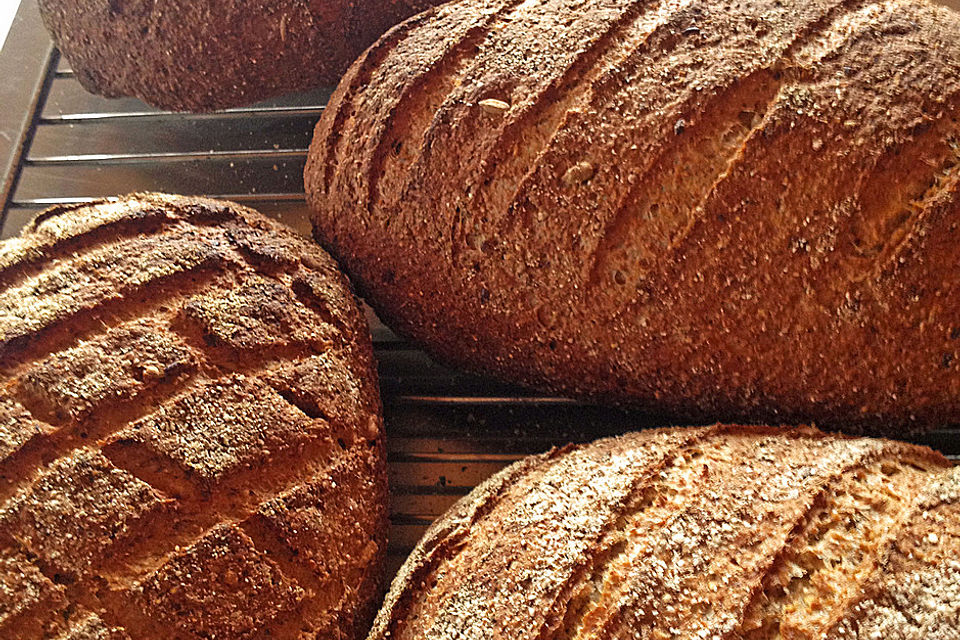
447 431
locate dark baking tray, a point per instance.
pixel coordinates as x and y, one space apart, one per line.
447 430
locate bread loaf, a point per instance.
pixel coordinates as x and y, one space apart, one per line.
200 55
711 209
190 435
717 532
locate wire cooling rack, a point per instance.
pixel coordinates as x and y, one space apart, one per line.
447 431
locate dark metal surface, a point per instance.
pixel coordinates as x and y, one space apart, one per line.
447 430
25 59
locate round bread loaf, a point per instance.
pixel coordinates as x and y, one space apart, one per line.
700 534
200 55
191 443
716 210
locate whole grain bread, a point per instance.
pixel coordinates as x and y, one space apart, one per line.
714 210
717 532
191 443
201 55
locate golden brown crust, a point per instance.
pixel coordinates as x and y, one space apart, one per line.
191 434
707 208
834 550
29 601
674 534
915 589
201 55
91 627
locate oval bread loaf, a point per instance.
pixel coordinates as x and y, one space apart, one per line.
717 532
190 435
200 55
708 208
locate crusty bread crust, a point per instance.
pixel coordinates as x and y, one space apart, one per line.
201 55
714 210
744 533
190 433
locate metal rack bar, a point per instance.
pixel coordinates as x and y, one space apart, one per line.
28 50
